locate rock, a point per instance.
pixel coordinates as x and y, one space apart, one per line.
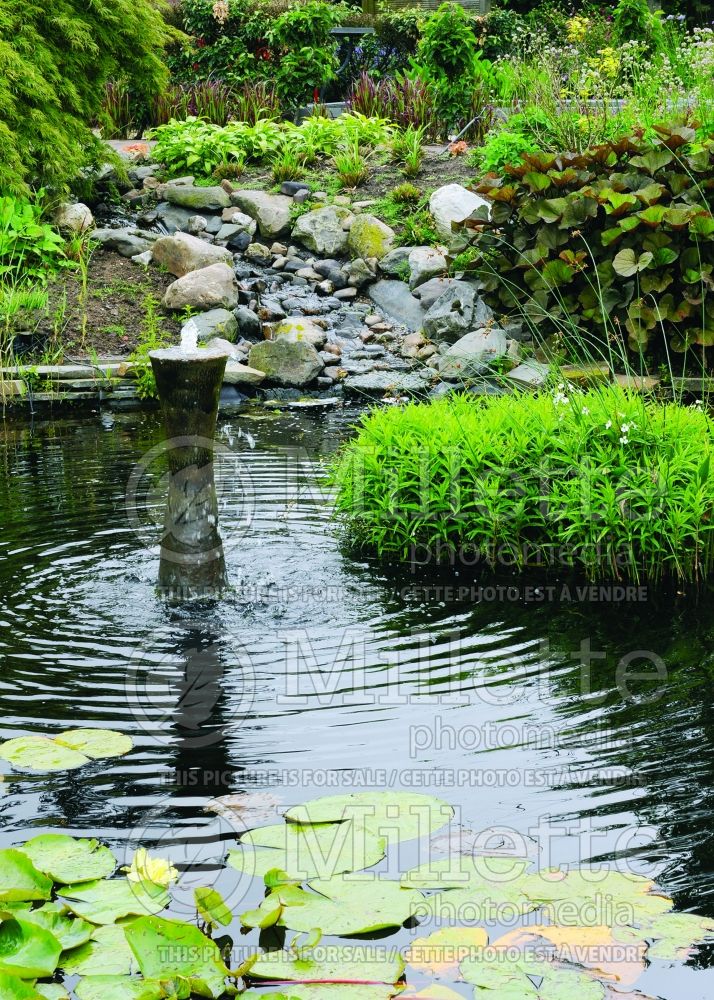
144 258
433 289
182 253
239 243
396 301
214 323
345 294
173 217
238 374
234 217
221 344
359 273
249 324
453 203
425 263
456 312
73 218
197 224
285 362
279 249
270 211
291 188
122 241
186 181
472 353
530 374
258 252
396 262
209 199
209 288
300 197
380 382
412 344
322 230
299 328
370 237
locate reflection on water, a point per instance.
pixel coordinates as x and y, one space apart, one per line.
583 728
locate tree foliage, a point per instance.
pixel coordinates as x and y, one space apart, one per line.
55 61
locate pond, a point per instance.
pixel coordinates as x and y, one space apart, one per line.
576 725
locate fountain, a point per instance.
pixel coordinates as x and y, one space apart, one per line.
188 381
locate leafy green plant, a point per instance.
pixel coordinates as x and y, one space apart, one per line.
350 165
287 166
408 149
153 336
613 241
602 482
406 194
634 21
308 53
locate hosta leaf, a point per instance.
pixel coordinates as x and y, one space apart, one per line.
27 950
359 964
67 860
653 216
166 949
19 879
105 902
107 953
394 815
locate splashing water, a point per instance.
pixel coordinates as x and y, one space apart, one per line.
189 337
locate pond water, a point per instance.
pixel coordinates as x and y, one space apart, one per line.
578 728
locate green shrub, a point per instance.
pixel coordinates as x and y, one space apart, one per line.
55 61
600 482
634 22
307 51
616 239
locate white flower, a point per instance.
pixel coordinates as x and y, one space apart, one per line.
585 411
608 425
624 440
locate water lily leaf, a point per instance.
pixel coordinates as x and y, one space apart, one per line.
464 871
523 980
627 263
71 932
440 954
338 991
250 808
576 897
356 964
13 988
437 992
20 880
105 902
308 850
166 949
107 953
118 988
68 860
38 753
26 950
394 815
211 906
52 991
673 935
96 743
346 905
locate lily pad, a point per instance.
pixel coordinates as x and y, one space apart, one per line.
52 991
394 815
168 948
347 905
20 881
440 954
212 907
13 988
474 889
71 932
67 860
105 902
107 953
96 743
356 964
530 980
38 753
576 897
337 991
118 988
673 936
26 950
308 851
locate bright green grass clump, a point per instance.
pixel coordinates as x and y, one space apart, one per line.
601 482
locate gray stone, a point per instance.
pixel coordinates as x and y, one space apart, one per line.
322 230
214 323
344 294
209 199
270 211
456 312
227 231
144 258
370 237
73 218
381 382
530 374
425 263
186 181
239 374
122 241
197 224
359 273
234 217
209 288
397 302
258 252
173 217
300 328
300 197
472 353
453 203
291 188
249 323
433 289
182 253
213 223
239 243
286 362
396 262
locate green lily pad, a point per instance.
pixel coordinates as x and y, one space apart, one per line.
394 815
168 948
118 988
96 743
569 896
522 980
20 880
308 851
26 950
672 935
52 991
324 992
71 932
355 963
107 953
38 753
347 905
13 988
472 887
67 860
105 902
212 907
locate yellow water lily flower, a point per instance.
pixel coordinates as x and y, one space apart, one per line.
144 868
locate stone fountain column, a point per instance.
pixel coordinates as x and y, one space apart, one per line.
189 382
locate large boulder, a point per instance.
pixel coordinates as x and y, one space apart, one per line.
285 362
397 302
300 329
370 238
270 211
324 230
455 313
377 383
433 289
173 217
473 353
453 203
213 287
240 374
198 199
182 253
425 263
73 219
214 323
127 241
396 262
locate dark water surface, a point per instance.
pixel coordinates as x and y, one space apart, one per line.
321 674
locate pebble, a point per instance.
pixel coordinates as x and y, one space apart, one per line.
346 293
